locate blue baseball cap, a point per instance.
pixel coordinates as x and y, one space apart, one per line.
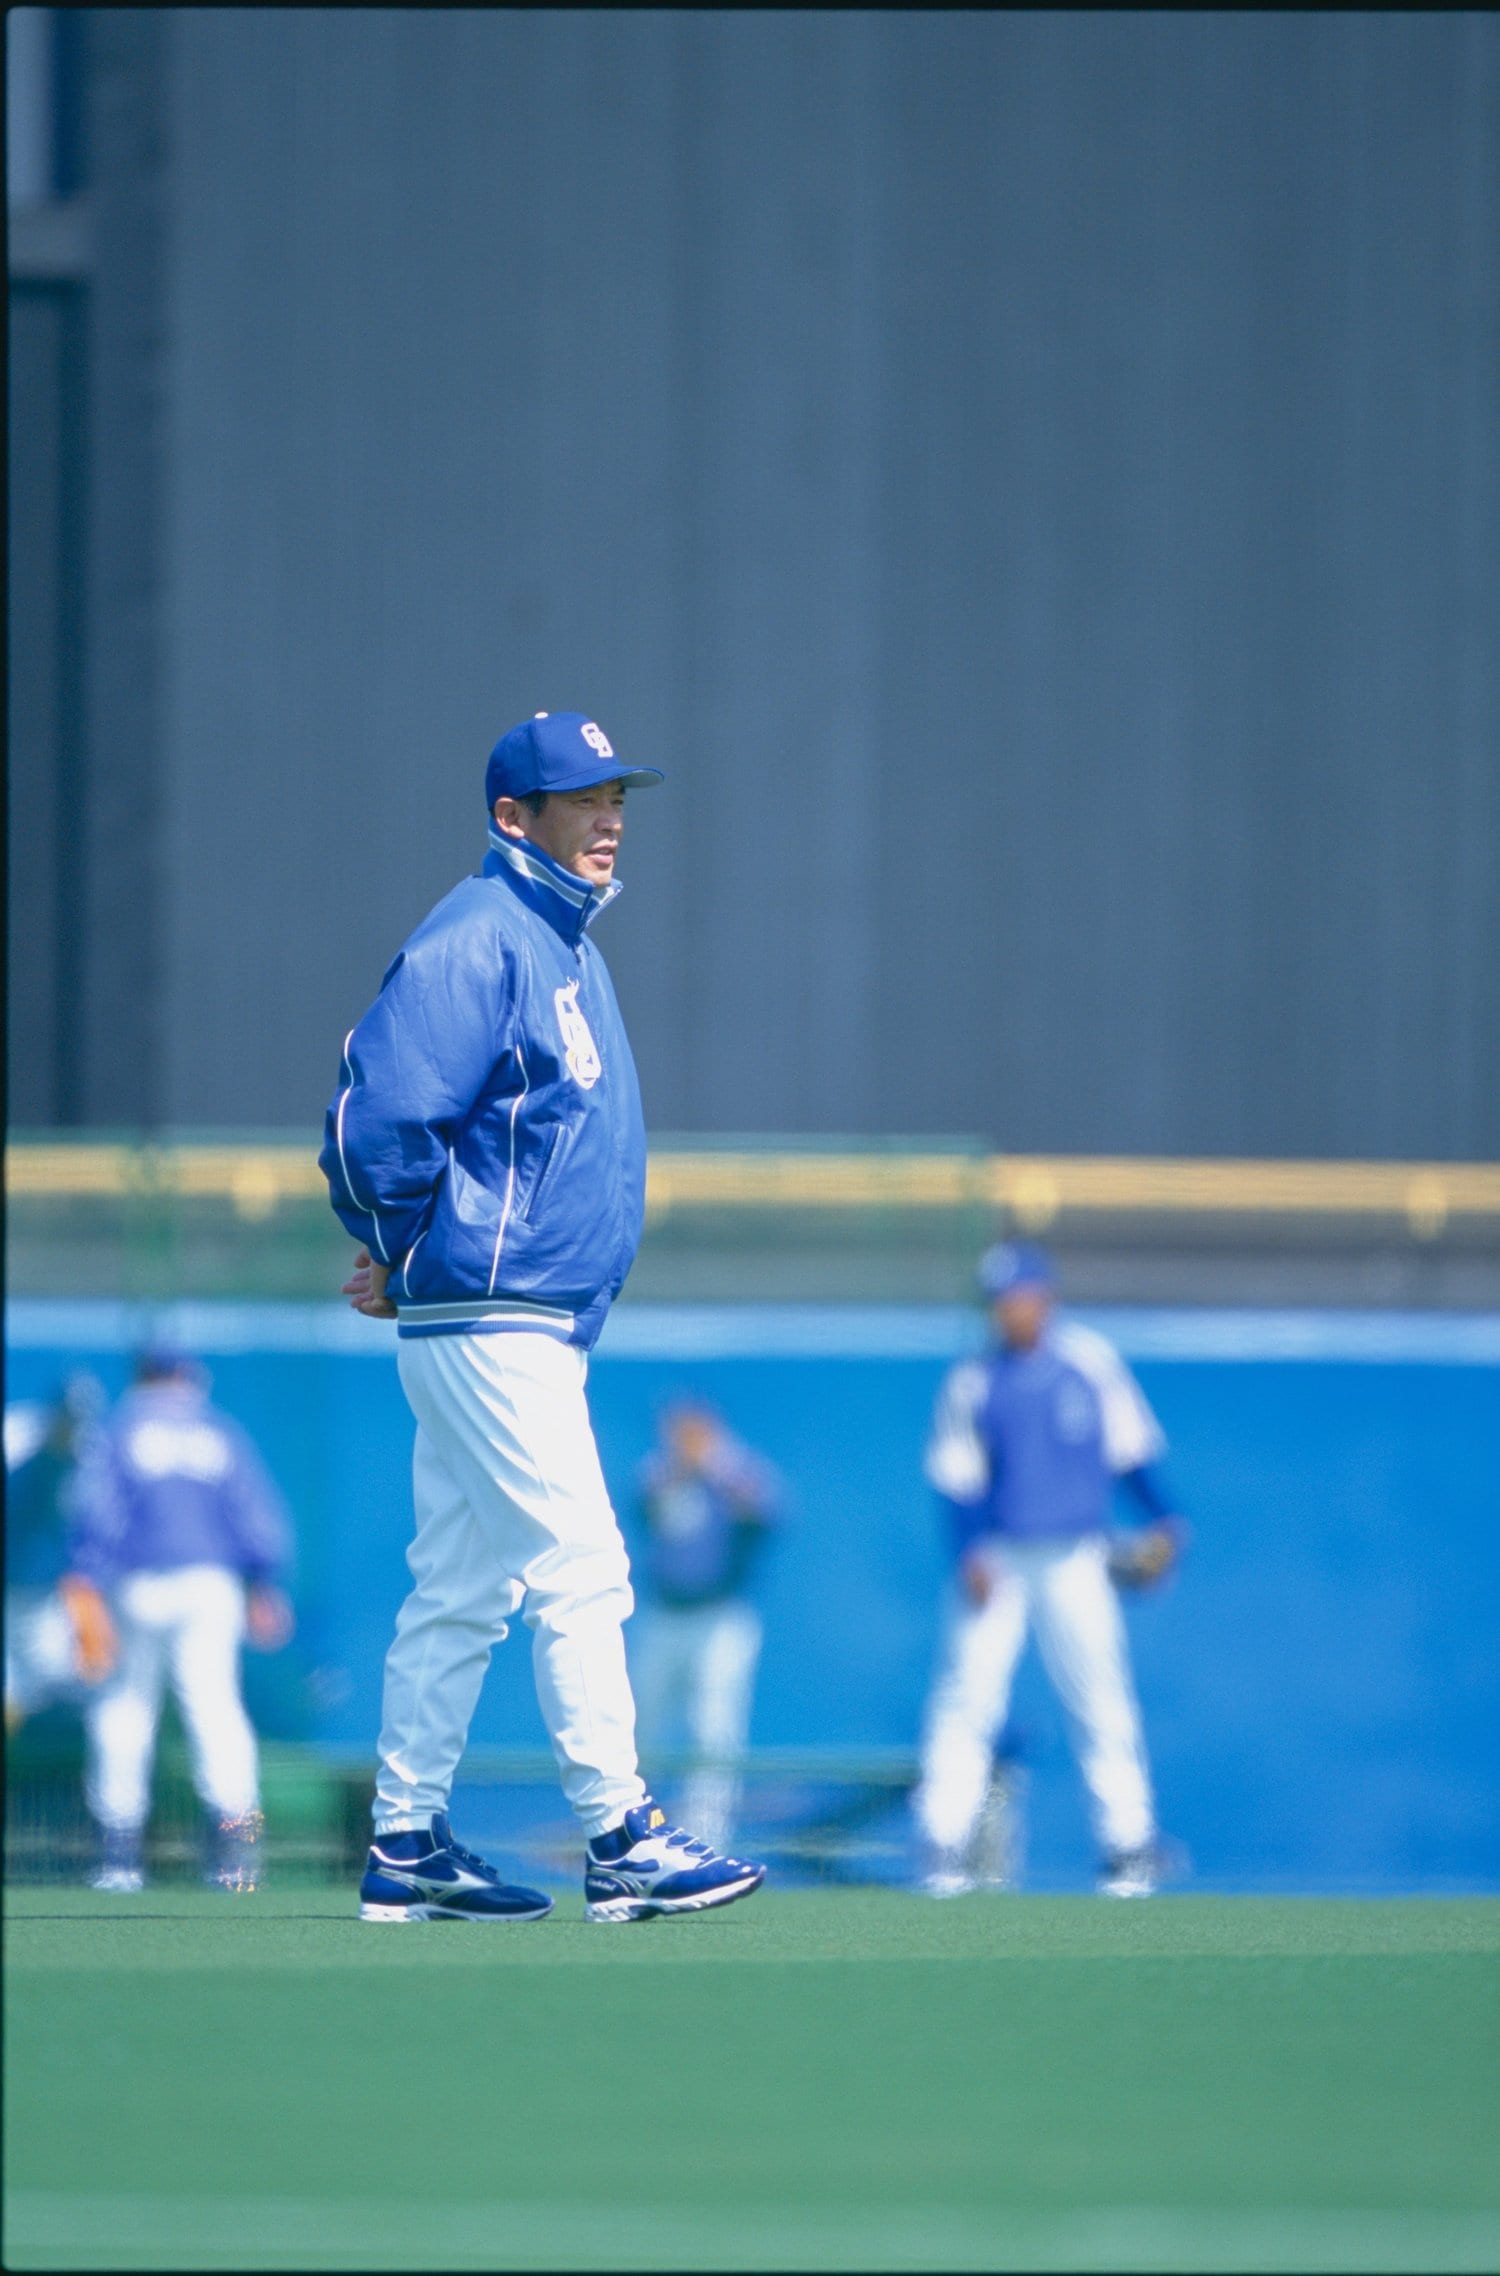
159 1362
1014 1264
557 750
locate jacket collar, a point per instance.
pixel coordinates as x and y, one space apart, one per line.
568 905
1011 1357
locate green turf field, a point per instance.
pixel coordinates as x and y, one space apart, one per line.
809 2080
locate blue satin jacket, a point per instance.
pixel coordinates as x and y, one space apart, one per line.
486 1139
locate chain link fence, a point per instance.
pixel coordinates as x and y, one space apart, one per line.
793 1221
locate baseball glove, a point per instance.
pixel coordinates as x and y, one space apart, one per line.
93 1629
1142 1558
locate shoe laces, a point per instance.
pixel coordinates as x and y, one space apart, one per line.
679 1838
469 1857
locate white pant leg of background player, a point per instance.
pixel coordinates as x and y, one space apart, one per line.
459 1608
727 1652
1081 1636
121 1718
203 1644
663 1652
507 1417
966 1710
189 1623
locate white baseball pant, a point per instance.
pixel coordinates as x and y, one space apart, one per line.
694 1669
1065 1587
187 1625
512 1515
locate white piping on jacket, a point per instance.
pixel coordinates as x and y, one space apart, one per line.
411 1252
510 1174
343 1157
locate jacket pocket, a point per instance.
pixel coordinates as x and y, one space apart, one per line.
526 1206
406 1274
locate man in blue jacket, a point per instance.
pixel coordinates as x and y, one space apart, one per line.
1027 1443
709 1508
177 1541
486 1148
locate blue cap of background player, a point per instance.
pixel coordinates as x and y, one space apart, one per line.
1014 1264
558 750
165 1363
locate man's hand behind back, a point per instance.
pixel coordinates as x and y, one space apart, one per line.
365 1288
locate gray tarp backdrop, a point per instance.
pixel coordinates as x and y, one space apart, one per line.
1031 479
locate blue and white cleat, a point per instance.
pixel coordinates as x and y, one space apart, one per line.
428 1876
646 1867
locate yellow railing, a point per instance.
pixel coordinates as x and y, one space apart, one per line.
257 1179
1037 1189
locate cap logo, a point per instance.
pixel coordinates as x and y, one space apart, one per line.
596 739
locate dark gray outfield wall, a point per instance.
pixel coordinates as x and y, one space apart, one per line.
1030 479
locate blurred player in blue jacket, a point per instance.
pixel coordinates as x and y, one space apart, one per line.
182 1537
1027 1443
708 1506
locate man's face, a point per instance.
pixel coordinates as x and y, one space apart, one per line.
580 829
1020 1316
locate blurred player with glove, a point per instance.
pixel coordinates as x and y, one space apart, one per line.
1026 1445
177 1540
